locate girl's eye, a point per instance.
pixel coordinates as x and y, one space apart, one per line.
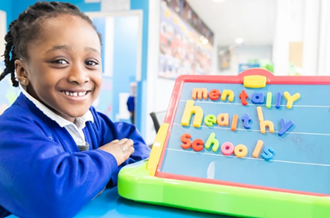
59 61
91 63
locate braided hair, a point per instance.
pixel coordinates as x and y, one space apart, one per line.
27 27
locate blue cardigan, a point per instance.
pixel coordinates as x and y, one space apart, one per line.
42 172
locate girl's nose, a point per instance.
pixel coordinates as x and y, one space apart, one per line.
78 75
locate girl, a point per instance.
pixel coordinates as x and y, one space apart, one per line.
56 152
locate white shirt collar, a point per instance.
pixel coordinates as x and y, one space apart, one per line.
80 122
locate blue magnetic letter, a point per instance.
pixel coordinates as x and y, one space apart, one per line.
246 119
285 127
278 100
257 98
268 154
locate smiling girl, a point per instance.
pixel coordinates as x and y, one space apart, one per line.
56 151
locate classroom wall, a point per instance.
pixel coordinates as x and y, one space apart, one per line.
245 53
5 17
312 32
120 41
158 98
18 6
324 36
142 117
7 7
298 22
3 31
124 59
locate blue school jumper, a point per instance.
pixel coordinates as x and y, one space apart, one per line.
42 171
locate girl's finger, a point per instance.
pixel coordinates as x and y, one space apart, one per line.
122 141
114 141
127 145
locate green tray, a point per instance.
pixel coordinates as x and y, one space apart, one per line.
135 183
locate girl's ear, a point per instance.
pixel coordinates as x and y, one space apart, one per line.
22 74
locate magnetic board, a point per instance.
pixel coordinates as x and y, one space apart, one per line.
257 134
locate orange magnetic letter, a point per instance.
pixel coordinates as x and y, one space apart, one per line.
234 123
185 140
223 119
257 149
199 93
214 94
197 145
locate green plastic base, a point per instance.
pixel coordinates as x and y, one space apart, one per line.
135 183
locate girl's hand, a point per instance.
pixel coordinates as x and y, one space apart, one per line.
120 149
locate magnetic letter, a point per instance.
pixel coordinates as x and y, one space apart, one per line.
223 120
197 145
246 120
268 154
212 141
285 127
214 94
188 111
226 93
269 100
209 120
185 140
257 98
278 100
199 93
243 96
291 99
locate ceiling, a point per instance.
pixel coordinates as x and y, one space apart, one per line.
251 20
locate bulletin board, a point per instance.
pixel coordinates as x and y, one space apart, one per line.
181 50
252 145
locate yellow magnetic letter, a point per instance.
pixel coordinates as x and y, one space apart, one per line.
264 123
260 114
291 99
227 92
188 111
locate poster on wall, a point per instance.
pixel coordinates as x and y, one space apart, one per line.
183 49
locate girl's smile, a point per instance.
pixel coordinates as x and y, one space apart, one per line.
76 95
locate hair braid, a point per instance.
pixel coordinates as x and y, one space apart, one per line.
27 27
9 51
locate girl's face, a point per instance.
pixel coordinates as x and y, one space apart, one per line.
64 69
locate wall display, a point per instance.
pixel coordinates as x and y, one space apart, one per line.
182 48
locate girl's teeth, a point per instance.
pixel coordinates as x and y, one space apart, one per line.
75 93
